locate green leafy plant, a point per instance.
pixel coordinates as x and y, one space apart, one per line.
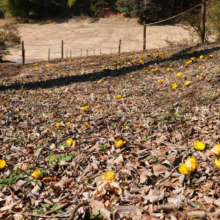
104 146
57 158
12 179
5 103
144 138
96 215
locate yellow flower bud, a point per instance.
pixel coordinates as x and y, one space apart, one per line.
217 162
178 74
58 125
183 170
216 149
2 164
199 145
69 141
108 176
120 143
36 174
84 108
174 86
191 164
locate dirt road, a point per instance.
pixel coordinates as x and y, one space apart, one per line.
102 34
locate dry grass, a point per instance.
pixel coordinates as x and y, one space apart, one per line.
103 34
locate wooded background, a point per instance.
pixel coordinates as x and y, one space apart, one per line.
145 9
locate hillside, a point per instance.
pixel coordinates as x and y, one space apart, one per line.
169 99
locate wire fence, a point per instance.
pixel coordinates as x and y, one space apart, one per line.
51 51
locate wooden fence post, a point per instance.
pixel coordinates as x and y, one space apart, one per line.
119 47
22 52
23 56
70 53
49 54
203 21
144 36
66 53
61 49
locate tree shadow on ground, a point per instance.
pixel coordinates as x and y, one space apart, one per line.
95 76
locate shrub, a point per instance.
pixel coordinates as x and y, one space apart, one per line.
9 39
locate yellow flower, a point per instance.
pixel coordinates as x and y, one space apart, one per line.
90 85
217 162
160 80
178 74
199 67
83 60
186 65
141 61
69 141
199 145
68 123
186 83
99 81
182 169
168 69
122 66
210 55
120 143
201 57
108 176
85 56
131 75
192 58
145 70
167 79
87 124
2 164
201 78
84 108
58 125
92 63
216 149
118 62
156 69
191 164
174 86
36 174
119 96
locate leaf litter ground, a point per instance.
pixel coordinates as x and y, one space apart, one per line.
158 125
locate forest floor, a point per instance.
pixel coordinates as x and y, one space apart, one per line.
95 35
65 123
